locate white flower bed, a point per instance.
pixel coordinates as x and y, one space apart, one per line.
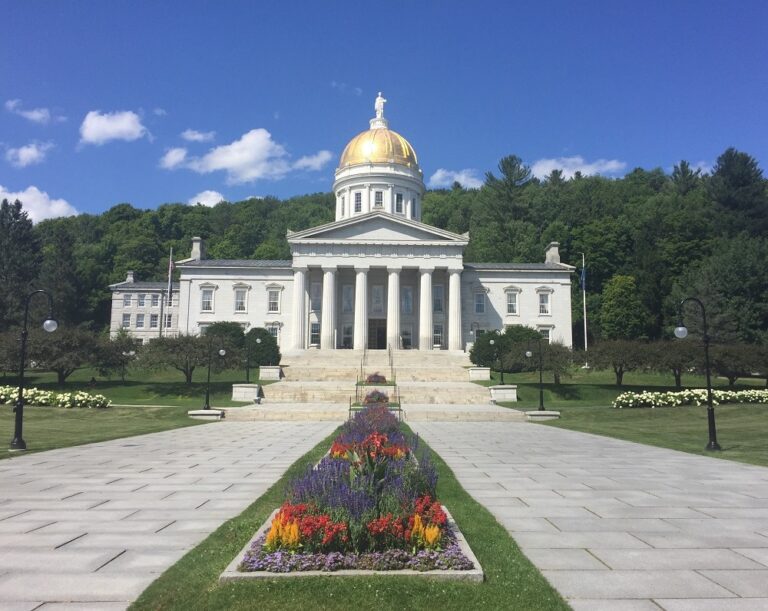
34 396
696 396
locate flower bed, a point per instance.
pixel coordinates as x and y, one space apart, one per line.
48 398
375 378
688 397
368 505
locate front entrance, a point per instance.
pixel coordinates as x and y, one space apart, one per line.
377 334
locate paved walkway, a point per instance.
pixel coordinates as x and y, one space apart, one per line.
615 525
91 527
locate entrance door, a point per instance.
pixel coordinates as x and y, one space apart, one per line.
377 334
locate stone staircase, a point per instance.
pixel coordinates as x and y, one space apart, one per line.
329 376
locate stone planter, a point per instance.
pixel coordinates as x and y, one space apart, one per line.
247 392
270 372
479 374
504 392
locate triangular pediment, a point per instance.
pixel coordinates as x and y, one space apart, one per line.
377 226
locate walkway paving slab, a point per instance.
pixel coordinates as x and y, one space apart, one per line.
633 527
91 527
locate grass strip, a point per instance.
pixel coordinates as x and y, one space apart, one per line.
49 428
740 428
512 582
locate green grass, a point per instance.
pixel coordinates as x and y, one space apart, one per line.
740 429
511 581
165 387
46 428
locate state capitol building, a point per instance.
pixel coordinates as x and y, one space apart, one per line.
376 277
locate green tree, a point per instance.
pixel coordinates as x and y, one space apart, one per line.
19 261
734 361
619 355
261 348
118 354
184 353
64 351
676 356
685 178
622 314
738 187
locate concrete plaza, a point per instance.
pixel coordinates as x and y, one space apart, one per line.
615 525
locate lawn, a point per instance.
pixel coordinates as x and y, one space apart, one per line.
46 428
511 580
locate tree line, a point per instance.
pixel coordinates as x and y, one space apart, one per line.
650 238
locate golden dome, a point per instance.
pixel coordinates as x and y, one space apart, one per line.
379 145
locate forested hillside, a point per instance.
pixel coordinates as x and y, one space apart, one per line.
672 235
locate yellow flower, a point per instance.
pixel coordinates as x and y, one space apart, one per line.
432 535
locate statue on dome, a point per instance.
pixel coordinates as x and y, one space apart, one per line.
379 106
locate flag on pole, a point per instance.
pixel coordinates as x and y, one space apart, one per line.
171 267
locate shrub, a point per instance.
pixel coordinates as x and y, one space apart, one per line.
36 397
697 396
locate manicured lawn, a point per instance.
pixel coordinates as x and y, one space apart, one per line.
511 581
165 387
741 429
46 428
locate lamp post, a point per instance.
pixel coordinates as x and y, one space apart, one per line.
529 354
50 325
681 332
496 356
222 352
248 359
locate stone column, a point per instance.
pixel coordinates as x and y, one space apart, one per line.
454 311
361 309
425 310
299 307
328 321
393 308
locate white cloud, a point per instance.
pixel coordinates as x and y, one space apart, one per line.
159 112
255 155
36 115
99 128
192 135
29 154
173 158
445 178
704 166
206 198
313 162
346 88
38 204
571 165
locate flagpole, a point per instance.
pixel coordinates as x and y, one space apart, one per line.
170 294
584 304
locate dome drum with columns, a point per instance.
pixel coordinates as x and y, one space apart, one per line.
375 277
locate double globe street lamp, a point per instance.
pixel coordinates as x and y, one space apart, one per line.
50 325
221 353
497 356
681 332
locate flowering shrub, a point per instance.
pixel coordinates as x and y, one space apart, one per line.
375 397
368 505
691 396
375 378
34 396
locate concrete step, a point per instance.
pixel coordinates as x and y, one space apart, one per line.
414 374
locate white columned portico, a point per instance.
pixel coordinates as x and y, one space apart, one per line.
454 311
393 308
425 310
361 309
299 306
328 321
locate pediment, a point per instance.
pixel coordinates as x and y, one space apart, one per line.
379 227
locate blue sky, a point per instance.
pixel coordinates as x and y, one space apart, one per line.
150 102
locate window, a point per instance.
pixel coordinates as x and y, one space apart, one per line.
155 300
168 321
274 330
274 300
377 298
153 318
314 334
437 335
142 299
406 300
545 333
438 298
358 202
346 336
511 302
206 300
479 303
543 303
127 300
347 299
169 302
139 321
126 321
315 296
343 204
413 210
478 333
241 297
399 203
378 200
406 336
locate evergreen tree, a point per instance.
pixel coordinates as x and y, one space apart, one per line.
622 314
